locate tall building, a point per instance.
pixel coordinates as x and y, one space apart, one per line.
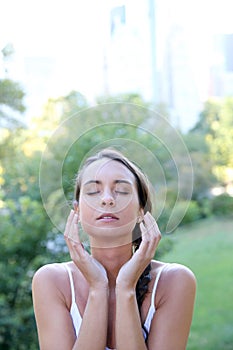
221 73
159 49
128 58
152 58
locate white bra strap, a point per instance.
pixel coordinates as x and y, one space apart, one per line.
71 282
156 284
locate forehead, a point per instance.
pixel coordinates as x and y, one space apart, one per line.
107 169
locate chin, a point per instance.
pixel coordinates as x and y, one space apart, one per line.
108 236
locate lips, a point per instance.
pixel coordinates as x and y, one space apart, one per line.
107 216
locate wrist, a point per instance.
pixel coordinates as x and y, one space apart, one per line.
99 289
126 290
125 285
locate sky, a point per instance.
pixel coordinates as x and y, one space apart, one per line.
67 36
59 35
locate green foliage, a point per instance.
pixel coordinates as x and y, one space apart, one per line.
24 228
11 101
216 123
59 109
23 249
206 247
188 211
165 246
222 205
192 214
202 164
209 114
20 173
205 206
221 134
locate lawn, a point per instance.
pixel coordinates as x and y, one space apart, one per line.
207 249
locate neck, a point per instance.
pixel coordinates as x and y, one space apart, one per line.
112 260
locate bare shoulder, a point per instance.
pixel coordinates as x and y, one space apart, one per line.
50 277
174 279
173 271
179 271
49 271
174 304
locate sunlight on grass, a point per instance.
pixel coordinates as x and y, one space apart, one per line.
206 248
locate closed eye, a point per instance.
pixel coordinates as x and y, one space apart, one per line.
121 192
92 193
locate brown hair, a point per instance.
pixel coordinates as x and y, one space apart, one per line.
144 202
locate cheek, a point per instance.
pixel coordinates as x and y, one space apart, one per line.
130 216
133 206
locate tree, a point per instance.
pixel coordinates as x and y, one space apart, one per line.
216 123
22 223
204 178
23 233
11 101
11 96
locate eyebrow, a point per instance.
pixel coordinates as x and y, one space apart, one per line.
97 182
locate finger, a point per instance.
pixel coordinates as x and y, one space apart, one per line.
71 229
76 249
68 223
74 230
75 205
150 236
149 221
152 226
145 239
144 253
144 231
77 252
147 228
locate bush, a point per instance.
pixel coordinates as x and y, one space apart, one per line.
205 205
183 213
193 213
222 204
186 212
165 246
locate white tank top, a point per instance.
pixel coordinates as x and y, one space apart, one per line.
77 319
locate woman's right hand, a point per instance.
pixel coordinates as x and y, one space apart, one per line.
92 270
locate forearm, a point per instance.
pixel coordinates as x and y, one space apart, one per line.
93 331
128 324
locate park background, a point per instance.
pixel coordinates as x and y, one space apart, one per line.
140 61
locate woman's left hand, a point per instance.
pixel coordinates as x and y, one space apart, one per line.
132 270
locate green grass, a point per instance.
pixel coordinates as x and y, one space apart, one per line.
207 249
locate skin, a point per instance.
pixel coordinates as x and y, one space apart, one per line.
105 281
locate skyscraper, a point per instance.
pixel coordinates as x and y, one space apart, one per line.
152 58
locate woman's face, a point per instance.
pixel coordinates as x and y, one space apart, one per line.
108 203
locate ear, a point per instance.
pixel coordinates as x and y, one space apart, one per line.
75 205
140 215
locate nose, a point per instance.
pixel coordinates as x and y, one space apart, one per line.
107 199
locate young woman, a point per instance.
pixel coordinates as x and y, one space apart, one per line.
117 297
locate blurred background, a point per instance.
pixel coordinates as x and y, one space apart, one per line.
60 59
